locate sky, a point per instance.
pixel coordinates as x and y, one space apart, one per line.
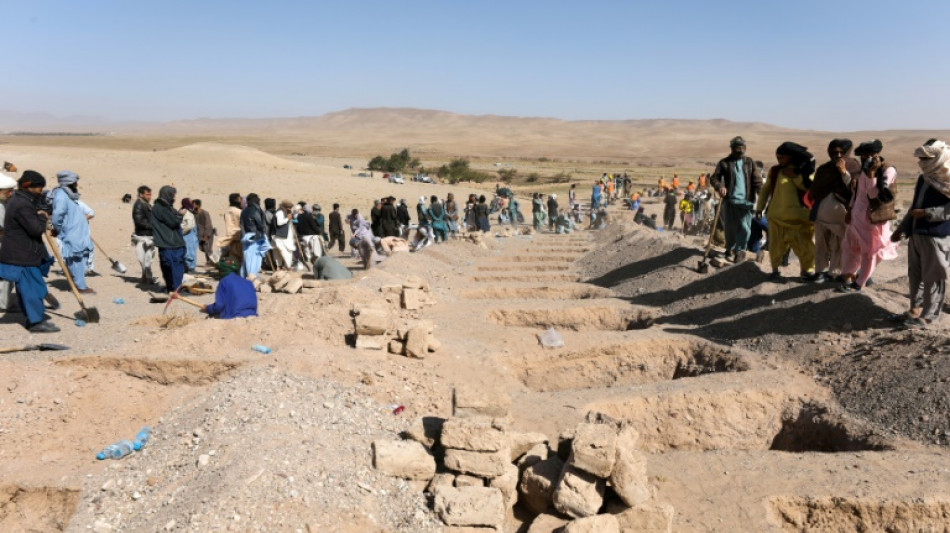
836 65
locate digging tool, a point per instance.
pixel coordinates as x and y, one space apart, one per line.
175 296
300 249
89 314
117 266
34 347
703 267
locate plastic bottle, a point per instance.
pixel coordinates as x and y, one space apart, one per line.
142 438
80 323
119 301
260 348
117 450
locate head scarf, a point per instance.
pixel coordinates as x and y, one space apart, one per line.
186 203
65 179
799 157
270 204
844 145
736 141
167 195
422 199
6 182
934 162
869 148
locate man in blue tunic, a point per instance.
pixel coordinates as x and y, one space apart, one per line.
235 297
69 219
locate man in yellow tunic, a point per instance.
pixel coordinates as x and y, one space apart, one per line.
781 199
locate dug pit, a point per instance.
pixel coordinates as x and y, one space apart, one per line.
527 278
539 293
577 318
639 361
160 371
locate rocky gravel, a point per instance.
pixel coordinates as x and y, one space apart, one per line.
262 450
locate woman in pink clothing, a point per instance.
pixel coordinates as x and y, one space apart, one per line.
866 244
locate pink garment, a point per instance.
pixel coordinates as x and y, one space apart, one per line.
865 244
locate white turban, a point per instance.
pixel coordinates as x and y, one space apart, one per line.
934 162
6 182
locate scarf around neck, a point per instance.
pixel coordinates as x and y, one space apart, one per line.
934 162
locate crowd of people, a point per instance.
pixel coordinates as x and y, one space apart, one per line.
836 218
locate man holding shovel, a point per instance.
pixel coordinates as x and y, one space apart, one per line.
71 223
24 259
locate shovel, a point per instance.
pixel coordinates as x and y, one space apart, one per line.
34 347
117 266
88 314
703 267
175 296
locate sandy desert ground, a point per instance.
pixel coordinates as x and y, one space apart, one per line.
761 406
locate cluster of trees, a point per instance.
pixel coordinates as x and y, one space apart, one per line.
459 170
397 162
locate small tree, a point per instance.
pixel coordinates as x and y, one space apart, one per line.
507 174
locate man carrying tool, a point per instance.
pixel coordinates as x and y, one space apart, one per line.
738 181
24 259
235 297
72 227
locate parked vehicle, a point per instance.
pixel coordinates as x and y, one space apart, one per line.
396 178
422 178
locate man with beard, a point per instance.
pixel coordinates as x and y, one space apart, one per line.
738 182
72 228
166 230
830 194
24 260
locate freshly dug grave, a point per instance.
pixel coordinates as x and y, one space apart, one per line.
582 292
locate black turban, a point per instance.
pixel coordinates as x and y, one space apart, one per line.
844 145
736 141
869 148
270 203
31 178
793 150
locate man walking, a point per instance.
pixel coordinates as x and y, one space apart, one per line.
738 182
166 228
142 236
72 227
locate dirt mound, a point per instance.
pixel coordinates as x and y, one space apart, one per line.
161 371
853 514
36 508
262 451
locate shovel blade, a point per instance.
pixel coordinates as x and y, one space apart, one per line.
703 267
119 267
51 346
89 314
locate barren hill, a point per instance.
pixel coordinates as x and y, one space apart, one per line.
441 134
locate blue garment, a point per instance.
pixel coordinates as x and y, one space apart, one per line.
738 185
235 297
759 229
191 249
69 219
736 223
172 261
254 252
30 288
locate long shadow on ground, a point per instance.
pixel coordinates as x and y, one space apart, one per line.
806 318
644 267
745 276
737 306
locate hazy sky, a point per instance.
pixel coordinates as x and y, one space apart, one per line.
831 65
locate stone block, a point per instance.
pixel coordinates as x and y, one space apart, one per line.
370 342
538 483
405 459
602 523
417 342
594 448
471 400
520 443
539 453
265 289
470 506
426 430
397 347
578 493
629 476
474 433
440 480
547 523
371 321
463 480
412 299
647 518
415 282
293 286
483 464
391 289
508 485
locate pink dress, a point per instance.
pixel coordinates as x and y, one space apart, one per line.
866 244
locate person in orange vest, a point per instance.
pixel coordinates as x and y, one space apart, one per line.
702 181
676 181
690 187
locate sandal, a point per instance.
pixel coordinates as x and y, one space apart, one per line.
848 287
915 323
